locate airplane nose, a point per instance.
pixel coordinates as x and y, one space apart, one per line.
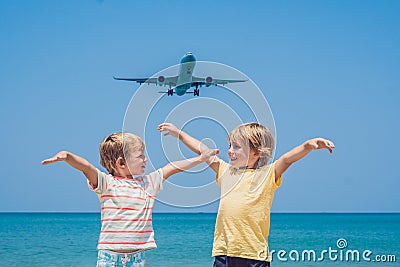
188 58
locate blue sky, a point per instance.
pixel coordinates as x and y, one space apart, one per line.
327 68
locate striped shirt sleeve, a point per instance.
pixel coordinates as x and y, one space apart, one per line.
101 183
154 182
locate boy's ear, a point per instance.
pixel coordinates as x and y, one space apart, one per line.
256 153
120 162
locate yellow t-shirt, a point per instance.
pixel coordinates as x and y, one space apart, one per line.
243 219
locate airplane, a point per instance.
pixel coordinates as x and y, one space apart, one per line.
181 83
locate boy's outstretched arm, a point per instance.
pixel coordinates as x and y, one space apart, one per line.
297 153
183 165
76 162
192 143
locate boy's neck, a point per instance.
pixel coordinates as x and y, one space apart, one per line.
129 176
122 172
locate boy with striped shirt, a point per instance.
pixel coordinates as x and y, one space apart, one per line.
126 196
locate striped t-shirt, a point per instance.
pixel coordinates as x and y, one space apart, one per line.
126 210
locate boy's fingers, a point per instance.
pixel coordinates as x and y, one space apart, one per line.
163 124
163 128
47 161
213 152
329 145
53 159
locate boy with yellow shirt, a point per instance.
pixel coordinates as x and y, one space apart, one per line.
247 184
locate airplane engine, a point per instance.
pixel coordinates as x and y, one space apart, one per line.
209 81
160 80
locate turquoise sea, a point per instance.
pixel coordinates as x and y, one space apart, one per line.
69 239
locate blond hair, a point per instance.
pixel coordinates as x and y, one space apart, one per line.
118 145
259 138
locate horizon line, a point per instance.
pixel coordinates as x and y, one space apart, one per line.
206 212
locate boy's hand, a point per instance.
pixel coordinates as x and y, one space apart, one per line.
169 128
320 143
60 156
208 154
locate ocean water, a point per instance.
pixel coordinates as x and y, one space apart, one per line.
69 239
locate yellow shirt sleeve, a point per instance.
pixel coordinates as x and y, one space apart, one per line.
223 167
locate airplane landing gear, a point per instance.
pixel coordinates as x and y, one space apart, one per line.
196 92
170 92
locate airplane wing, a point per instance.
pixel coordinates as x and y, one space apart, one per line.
161 80
211 81
138 80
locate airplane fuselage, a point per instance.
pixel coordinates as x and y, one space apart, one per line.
185 74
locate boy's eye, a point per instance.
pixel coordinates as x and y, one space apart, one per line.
234 146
